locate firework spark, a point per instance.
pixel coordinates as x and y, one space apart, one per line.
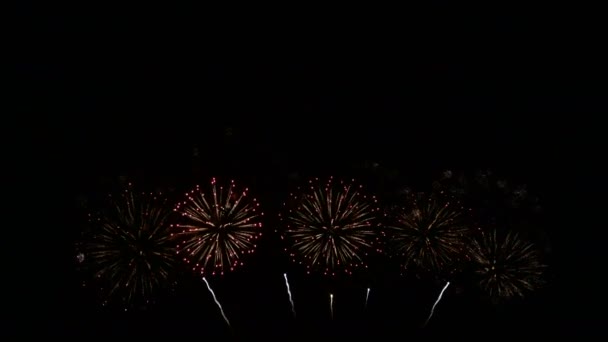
331 305
293 308
429 233
219 227
331 225
367 297
436 302
508 266
129 248
217 302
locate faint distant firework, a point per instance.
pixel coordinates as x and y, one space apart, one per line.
128 249
507 265
496 197
330 226
429 232
219 226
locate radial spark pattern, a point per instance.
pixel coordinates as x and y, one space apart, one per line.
429 232
507 265
128 247
330 226
219 227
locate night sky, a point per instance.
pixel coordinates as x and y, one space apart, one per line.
169 97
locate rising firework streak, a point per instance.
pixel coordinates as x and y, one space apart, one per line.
293 308
331 305
217 302
436 302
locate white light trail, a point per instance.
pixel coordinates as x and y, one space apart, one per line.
436 302
293 308
217 302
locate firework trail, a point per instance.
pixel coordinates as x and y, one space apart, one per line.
366 297
331 305
217 302
293 308
436 302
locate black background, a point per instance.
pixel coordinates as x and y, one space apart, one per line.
266 95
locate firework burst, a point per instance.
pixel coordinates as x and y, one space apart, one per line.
429 233
128 247
507 265
218 228
330 225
